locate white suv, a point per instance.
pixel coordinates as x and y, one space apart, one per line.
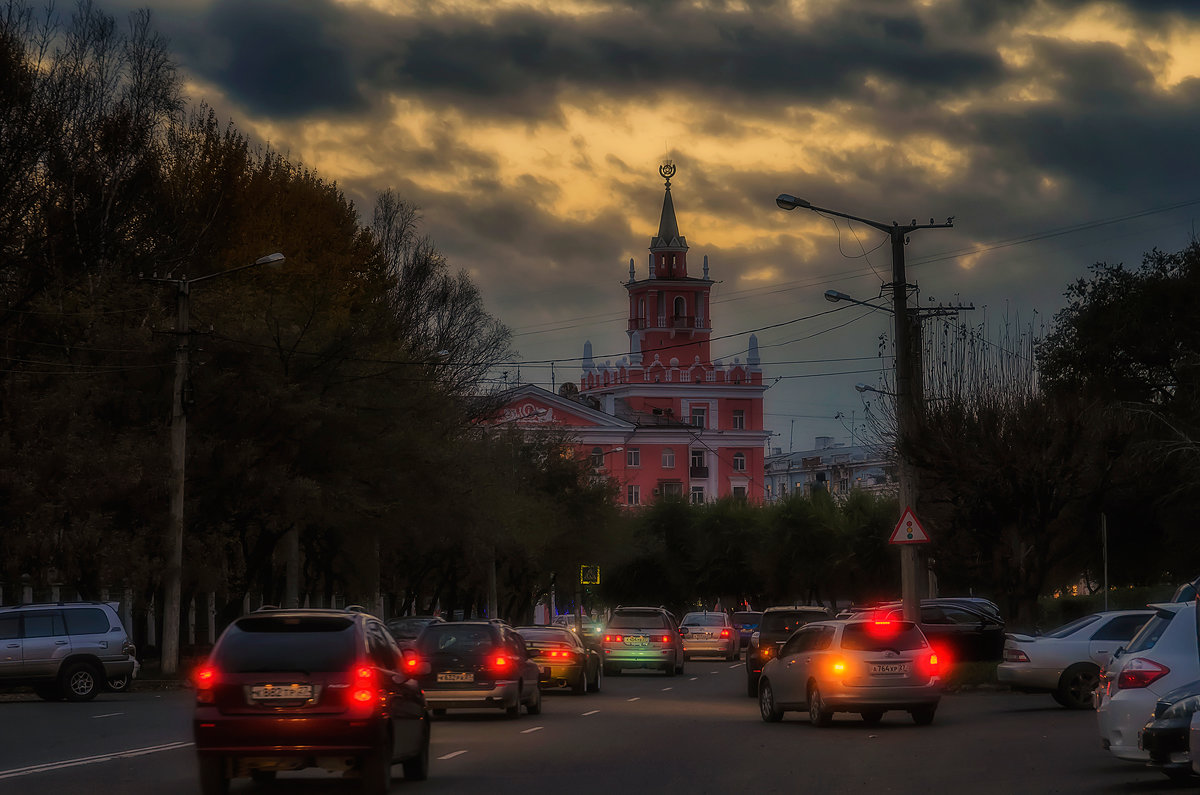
64 650
1161 657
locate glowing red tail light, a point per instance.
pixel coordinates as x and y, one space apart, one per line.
362 689
559 654
205 678
724 633
411 661
614 638
1140 672
664 639
500 664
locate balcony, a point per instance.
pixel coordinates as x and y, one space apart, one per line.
698 472
667 322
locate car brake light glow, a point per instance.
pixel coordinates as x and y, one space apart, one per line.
205 677
614 638
561 654
665 639
1015 655
411 661
838 666
1140 672
363 689
724 633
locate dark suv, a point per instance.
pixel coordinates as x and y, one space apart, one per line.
288 689
65 649
776 626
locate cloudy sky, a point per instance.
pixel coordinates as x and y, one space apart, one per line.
1058 133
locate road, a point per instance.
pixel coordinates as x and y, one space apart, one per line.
644 732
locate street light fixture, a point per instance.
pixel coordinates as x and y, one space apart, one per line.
173 573
908 388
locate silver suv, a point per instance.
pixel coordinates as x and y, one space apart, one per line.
64 650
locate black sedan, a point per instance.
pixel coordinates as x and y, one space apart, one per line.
562 659
1165 737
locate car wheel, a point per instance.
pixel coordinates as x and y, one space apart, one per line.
79 682
48 692
534 707
818 715
1076 685
767 707
679 670
671 668
377 771
751 686
923 716
580 686
417 768
120 684
213 779
872 717
596 680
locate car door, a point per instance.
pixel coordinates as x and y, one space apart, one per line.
44 642
405 706
1112 634
530 673
791 670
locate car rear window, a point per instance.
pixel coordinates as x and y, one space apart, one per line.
456 639
788 620
638 621
555 635
747 618
273 643
1067 629
705 620
1149 634
896 635
408 627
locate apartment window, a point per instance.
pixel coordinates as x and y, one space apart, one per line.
633 495
697 458
739 492
739 462
697 495
739 419
674 489
699 415
668 458
597 457
633 457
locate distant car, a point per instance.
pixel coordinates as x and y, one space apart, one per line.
1166 738
852 665
405 629
64 650
961 631
777 625
642 637
746 623
289 689
476 665
708 635
1066 661
562 659
593 631
1161 657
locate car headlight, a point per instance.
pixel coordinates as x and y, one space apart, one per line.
1184 708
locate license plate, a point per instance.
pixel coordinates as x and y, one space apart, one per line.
889 668
274 692
455 676
636 640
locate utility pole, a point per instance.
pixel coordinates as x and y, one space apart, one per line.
910 390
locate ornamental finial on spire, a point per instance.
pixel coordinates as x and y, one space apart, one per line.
666 171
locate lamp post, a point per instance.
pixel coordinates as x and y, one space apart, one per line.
173 574
909 388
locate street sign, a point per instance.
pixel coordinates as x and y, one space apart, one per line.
589 575
908 530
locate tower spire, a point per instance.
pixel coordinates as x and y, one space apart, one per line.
668 227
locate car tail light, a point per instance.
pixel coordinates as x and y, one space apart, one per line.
837 667
205 679
664 639
411 661
767 651
724 633
128 649
1140 672
500 664
614 638
931 664
559 654
362 690
1015 655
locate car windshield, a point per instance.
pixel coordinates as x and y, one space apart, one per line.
704 619
452 638
787 620
639 621
878 636
1071 627
307 644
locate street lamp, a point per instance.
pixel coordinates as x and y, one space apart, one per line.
908 388
173 574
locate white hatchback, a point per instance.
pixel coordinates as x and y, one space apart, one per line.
1161 657
1066 662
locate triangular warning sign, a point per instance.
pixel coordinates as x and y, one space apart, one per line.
908 530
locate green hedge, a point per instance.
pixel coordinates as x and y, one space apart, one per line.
1056 612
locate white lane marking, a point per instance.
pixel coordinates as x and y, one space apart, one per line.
739 665
451 755
534 729
714 672
593 712
665 689
693 679
90 760
635 698
108 715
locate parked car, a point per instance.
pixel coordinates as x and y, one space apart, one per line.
961 631
64 650
476 665
865 666
777 625
406 628
1161 657
1166 736
285 690
708 634
642 637
562 659
1066 661
746 623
